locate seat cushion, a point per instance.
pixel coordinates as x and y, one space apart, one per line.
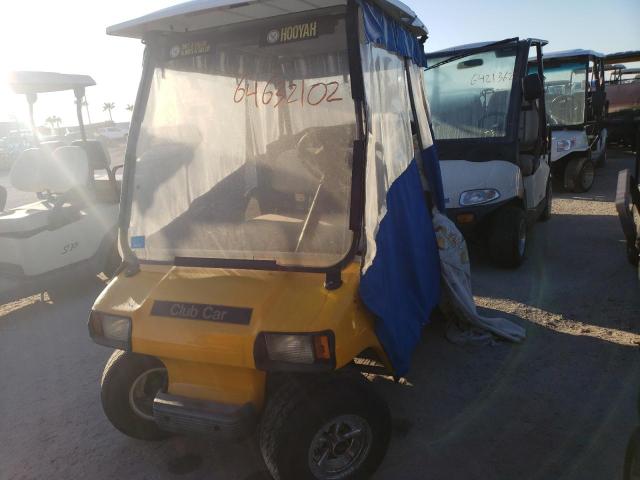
529 128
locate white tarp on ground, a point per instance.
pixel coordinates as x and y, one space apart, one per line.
466 325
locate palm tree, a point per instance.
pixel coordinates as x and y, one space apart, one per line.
54 121
107 107
129 107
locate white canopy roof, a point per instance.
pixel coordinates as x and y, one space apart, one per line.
472 46
578 52
201 14
41 82
623 57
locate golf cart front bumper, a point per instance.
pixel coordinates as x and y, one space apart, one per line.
203 417
467 219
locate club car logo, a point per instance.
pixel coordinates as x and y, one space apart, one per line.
188 49
194 311
293 33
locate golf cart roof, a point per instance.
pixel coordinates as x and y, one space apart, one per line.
460 49
623 57
201 14
566 54
42 82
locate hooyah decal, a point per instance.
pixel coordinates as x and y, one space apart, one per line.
293 33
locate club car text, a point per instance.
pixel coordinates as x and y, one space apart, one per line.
194 311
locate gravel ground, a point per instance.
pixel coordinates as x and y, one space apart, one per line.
560 406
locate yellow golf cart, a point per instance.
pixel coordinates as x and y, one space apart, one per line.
274 229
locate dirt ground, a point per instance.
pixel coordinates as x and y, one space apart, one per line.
559 406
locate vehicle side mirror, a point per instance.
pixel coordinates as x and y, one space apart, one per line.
3 198
532 87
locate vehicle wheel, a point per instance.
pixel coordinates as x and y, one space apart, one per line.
67 288
602 159
546 213
129 385
508 237
632 458
320 430
579 175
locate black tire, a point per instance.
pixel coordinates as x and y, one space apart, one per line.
299 411
506 245
579 175
632 457
120 373
548 206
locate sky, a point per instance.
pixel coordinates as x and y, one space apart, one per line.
68 36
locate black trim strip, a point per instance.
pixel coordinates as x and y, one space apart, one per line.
358 185
353 46
129 169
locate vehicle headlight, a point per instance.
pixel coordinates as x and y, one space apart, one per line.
478 197
295 352
564 145
110 330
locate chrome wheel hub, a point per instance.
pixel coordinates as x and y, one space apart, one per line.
144 389
340 447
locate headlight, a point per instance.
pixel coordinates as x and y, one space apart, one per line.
295 352
110 330
477 197
564 145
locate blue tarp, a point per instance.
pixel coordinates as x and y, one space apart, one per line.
382 30
401 282
402 286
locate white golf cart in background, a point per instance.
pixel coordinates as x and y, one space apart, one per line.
70 232
576 108
623 95
492 137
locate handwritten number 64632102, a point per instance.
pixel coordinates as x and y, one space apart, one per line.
278 92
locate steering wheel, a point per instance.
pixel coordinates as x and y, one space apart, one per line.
310 149
498 125
560 102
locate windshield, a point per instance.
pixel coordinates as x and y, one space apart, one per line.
565 93
469 98
245 151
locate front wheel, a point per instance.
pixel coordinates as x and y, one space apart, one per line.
508 237
579 175
130 383
324 430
